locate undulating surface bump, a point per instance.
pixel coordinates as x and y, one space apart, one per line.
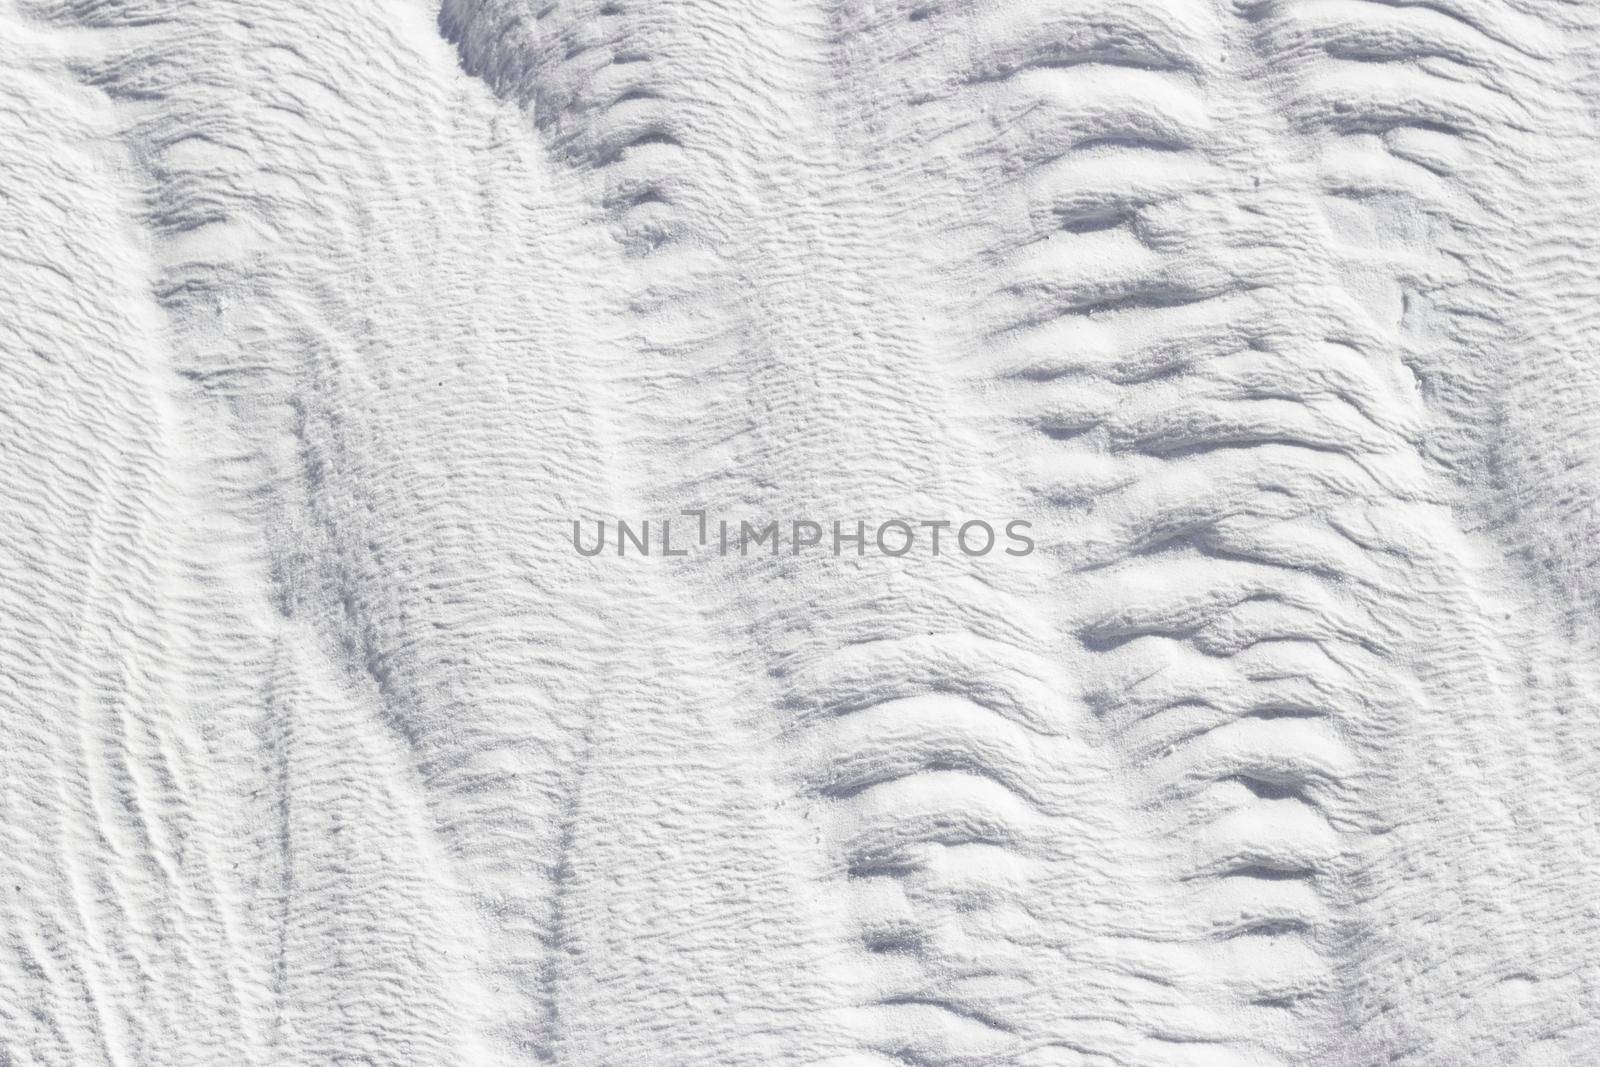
678 532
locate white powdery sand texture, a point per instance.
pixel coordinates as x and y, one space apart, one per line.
1276 321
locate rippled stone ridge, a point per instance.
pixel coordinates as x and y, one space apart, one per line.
1276 322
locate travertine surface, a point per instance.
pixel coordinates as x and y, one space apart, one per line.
1275 322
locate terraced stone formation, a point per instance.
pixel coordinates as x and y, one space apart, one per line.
324 324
